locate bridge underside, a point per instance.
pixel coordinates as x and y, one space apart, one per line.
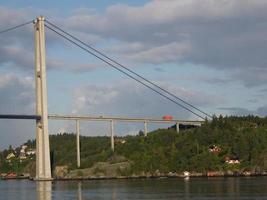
13 116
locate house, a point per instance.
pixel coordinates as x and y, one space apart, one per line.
231 160
30 152
119 140
10 156
214 149
22 155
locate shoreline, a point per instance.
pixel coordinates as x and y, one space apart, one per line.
157 177
138 177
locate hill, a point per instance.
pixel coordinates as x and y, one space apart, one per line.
222 144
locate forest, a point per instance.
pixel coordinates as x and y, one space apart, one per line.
210 147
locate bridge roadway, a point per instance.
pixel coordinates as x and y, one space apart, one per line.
101 118
15 116
123 119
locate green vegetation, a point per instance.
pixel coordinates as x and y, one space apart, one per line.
93 149
14 164
240 138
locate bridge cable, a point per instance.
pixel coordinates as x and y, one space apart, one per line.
126 68
15 27
127 74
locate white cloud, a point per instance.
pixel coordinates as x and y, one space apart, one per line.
221 34
173 52
16 97
17 94
252 77
224 34
260 111
128 99
131 100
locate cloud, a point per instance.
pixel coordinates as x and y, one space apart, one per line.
16 97
253 100
17 46
227 35
252 77
224 35
17 94
237 111
260 111
128 99
84 67
16 57
172 52
211 80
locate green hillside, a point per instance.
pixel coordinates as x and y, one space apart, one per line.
237 138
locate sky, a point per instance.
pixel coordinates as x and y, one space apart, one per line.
211 53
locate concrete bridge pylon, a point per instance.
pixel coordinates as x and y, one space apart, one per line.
43 166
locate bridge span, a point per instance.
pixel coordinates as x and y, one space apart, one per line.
15 116
111 120
43 165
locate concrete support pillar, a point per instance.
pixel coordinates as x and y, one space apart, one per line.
43 166
177 127
78 143
112 134
145 128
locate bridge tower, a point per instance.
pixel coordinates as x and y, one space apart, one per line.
43 166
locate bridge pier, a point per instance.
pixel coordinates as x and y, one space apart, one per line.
43 166
177 127
145 128
112 134
78 143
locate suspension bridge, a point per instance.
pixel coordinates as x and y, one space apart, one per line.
43 166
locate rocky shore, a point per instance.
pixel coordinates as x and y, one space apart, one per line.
105 170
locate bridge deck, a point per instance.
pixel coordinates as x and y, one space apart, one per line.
124 119
12 116
100 118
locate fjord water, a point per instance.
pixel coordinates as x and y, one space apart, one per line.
194 188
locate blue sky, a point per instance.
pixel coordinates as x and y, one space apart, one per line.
210 53
68 5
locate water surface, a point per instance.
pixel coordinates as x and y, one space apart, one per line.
194 188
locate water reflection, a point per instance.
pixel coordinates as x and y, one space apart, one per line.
186 188
79 193
114 192
171 189
94 190
44 190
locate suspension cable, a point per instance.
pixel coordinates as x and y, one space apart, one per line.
126 68
15 27
127 74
